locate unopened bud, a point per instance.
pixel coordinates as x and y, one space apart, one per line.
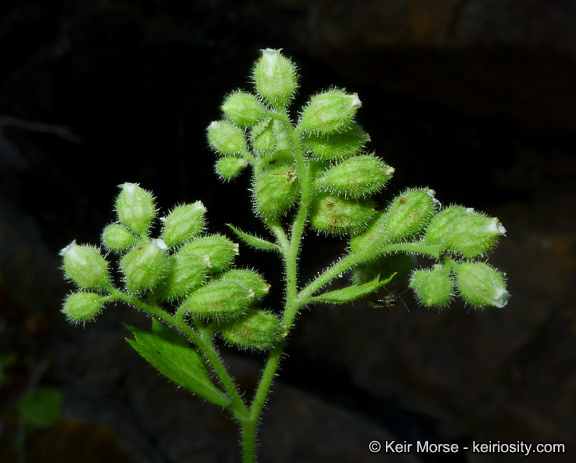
356 177
85 266
226 138
82 307
217 248
250 280
219 299
433 287
330 112
406 215
255 330
244 109
339 145
135 208
183 223
337 215
276 191
275 77
464 231
230 167
262 137
481 285
187 271
145 265
118 238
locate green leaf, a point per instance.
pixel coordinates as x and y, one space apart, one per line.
351 293
254 241
172 356
42 408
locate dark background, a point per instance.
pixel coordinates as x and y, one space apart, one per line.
473 98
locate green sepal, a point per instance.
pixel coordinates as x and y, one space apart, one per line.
219 299
254 241
230 167
256 329
332 214
219 250
172 356
276 191
336 146
351 293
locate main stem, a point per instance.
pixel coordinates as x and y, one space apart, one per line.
290 250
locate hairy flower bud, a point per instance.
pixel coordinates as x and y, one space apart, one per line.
481 285
118 238
333 214
255 330
230 167
330 112
226 138
249 280
135 208
145 265
356 177
85 266
275 77
183 223
187 271
243 109
276 191
464 231
406 215
219 299
217 248
82 307
433 287
339 145
262 137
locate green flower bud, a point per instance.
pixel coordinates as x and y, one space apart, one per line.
187 271
118 238
226 138
276 191
183 223
356 177
249 280
262 137
135 208
433 287
336 146
244 109
219 299
230 167
255 330
275 77
145 265
333 214
330 112
85 266
219 250
464 231
82 307
406 215
481 285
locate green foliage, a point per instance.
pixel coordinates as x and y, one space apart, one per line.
309 173
41 408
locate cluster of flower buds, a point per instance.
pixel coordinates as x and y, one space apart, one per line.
465 235
342 179
182 265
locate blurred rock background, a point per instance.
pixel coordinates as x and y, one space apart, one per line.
474 98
